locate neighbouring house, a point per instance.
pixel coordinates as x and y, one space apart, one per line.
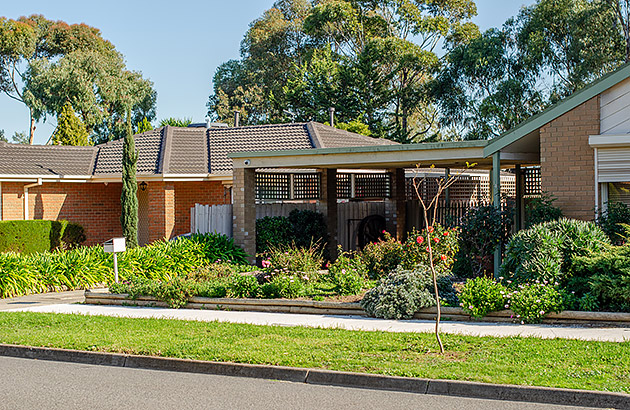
177 167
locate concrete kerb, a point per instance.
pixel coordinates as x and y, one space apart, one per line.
530 394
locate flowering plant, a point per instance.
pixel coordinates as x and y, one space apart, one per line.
443 241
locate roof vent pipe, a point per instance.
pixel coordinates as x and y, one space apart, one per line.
237 118
208 122
331 112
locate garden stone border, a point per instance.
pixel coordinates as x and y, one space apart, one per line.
531 394
569 317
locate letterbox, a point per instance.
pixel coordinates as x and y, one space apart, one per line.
114 245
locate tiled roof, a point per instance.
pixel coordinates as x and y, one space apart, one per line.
149 147
222 141
175 150
331 137
45 160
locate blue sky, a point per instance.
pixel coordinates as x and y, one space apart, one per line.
177 45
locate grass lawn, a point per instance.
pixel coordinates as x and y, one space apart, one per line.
525 361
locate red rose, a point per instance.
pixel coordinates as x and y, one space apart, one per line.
436 240
419 239
430 229
445 233
443 257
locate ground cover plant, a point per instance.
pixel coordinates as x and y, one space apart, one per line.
522 361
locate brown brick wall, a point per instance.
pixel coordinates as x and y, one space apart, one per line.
94 206
567 161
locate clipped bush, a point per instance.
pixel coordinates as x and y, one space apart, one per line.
243 286
308 227
612 221
544 252
399 295
34 236
273 232
481 296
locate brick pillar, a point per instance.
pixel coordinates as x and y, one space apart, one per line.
395 205
244 210
161 197
328 206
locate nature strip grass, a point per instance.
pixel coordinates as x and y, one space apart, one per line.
603 366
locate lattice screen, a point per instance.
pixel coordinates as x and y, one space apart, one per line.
344 187
372 186
306 186
533 182
273 186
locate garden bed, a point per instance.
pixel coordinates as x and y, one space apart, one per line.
352 309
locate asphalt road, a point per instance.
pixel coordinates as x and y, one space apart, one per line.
35 384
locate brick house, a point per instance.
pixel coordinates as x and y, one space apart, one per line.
577 150
177 167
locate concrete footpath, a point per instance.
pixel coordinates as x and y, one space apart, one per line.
343 322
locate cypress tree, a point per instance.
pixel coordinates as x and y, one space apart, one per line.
128 198
70 129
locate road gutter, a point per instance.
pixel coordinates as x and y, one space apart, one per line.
547 395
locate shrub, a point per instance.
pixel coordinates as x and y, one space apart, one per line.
612 221
39 236
444 247
283 286
607 278
531 302
302 261
214 289
545 251
301 229
382 257
348 274
399 295
481 296
175 292
217 247
243 286
482 229
308 227
541 210
273 231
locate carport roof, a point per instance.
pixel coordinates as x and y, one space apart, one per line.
441 154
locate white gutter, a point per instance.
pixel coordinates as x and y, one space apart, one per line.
26 187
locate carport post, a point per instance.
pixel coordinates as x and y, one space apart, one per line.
328 206
244 210
496 201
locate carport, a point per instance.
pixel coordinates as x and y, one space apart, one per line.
393 158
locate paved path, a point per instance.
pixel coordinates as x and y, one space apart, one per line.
344 322
27 384
42 299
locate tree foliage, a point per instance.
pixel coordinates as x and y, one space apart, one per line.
45 63
143 126
176 122
70 129
372 60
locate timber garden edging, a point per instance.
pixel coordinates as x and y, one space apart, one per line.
351 309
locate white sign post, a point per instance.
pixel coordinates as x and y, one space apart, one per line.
114 246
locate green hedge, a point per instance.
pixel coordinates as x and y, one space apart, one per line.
39 236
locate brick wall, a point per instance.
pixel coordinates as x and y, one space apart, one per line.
187 194
567 161
94 206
